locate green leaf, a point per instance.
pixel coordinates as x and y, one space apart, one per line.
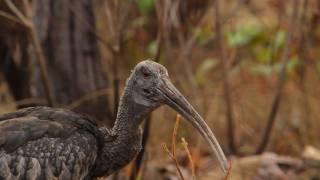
202 33
152 48
267 69
263 53
244 34
204 68
145 6
293 63
279 39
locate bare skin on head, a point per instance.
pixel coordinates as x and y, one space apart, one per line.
47 143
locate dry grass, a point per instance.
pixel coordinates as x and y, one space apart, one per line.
193 170
173 154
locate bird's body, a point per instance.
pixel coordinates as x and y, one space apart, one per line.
43 143
47 143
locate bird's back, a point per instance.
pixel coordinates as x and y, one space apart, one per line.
46 143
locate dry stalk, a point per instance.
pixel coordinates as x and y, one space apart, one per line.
117 26
174 135
27 102
10 17
19 15
87 97
186 43
282 76
193 170
226 83
172 154
173 144
229 171
91 29
164 146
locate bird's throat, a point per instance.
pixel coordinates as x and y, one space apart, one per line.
130 112
126 135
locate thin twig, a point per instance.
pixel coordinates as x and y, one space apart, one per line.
282 76
174 135
229 171
233 11
226 84
117 28
186 44
302 53
43 67
91 29
24 20
87 97
173 144
172 154
10 17
164 146
28 102
193 170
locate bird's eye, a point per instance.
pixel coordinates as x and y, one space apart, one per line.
145 72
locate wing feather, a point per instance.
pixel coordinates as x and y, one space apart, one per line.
47 143
34 169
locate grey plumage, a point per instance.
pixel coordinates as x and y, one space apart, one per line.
42 143
48 143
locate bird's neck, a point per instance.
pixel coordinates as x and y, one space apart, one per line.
130 113
125 136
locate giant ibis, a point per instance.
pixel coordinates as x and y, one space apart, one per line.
49 143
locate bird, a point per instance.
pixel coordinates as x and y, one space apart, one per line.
46 143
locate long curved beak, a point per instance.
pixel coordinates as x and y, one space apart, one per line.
177 101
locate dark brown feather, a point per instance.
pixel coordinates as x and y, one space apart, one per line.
47 143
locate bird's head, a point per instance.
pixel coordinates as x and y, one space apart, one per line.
151 86
146 77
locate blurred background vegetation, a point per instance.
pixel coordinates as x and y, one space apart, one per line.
251 68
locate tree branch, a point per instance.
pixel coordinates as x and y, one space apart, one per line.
282 76
226 84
